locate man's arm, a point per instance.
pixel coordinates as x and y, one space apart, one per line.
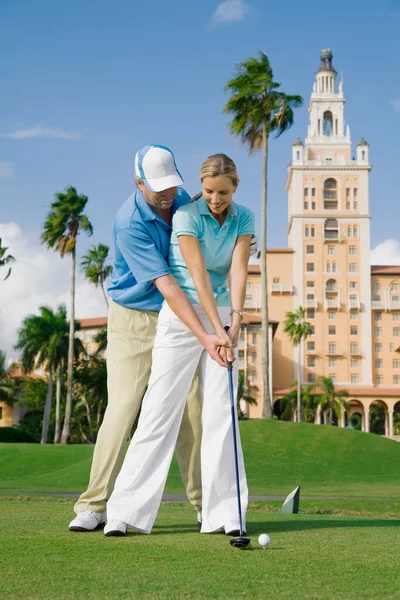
147 264
181 306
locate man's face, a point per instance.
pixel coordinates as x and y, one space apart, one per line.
161 200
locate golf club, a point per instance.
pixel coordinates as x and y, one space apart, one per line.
241 541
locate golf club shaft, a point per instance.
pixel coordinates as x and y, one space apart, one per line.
235 448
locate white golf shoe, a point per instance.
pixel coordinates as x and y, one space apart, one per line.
115 528
87 520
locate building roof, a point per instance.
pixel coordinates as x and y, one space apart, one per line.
385 270
93 323
377 392
362 142
326 61
18 372
277 251
298 142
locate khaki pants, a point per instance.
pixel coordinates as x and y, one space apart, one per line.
131 335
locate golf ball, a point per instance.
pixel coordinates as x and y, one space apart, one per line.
264 540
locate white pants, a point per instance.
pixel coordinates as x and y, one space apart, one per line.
140 484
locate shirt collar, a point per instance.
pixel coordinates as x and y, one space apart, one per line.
204 210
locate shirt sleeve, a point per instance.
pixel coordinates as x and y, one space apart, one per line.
144 260
246 225
185 223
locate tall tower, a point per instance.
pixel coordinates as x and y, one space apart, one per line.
329 231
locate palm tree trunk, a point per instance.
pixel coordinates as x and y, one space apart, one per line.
58 406
47 408
104 292
267 406
299 406
68 406
331 410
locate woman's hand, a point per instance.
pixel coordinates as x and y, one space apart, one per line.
219 347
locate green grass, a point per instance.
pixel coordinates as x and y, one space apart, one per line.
325 460
312 555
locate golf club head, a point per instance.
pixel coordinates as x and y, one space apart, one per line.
241 542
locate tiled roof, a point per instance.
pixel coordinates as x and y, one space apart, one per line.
93 323
385 270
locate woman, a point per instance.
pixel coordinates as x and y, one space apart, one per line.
210 242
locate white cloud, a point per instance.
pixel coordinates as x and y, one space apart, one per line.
396 104
39 277
39 131
386 253
6 169
230 11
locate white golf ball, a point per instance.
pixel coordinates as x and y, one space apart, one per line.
264 540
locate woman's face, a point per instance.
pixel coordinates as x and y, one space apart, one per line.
218 193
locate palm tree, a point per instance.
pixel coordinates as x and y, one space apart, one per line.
297 329
43 341
7 383
330 399
260 109
94 268
309 402
5 259
60 232
242 394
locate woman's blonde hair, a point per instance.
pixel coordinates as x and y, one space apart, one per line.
216 165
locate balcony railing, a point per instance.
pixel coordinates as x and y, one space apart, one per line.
332 303
281 288
252 303
241 364
355 352
333 352
354 303
311 302
332 235
378 305
312 352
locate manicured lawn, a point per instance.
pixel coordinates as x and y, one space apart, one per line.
324 460
347 552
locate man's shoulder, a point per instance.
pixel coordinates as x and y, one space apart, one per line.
182 198
128 215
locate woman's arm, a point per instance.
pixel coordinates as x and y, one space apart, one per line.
193 257
237 283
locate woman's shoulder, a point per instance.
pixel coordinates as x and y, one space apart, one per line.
243 212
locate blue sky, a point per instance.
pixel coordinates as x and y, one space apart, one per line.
114 76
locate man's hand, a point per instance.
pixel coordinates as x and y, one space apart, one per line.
219 348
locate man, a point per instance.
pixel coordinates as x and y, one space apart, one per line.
141 280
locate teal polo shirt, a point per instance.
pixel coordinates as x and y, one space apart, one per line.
216 243
141 245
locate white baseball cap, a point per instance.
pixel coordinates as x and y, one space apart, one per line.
156 166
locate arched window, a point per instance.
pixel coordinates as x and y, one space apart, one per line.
331 285
363 155
331 229
327 127
330 189
297 155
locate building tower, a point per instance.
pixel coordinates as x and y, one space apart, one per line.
329 232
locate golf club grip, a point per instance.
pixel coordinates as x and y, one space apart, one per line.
230 363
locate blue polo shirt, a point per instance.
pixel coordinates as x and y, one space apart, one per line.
141 244
216 243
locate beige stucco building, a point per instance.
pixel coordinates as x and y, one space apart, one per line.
354 308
